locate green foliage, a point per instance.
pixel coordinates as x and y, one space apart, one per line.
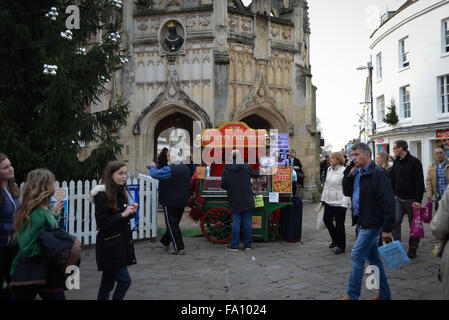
391 117
45 120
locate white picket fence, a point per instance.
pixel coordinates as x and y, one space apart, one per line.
81 212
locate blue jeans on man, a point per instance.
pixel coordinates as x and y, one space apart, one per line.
108 279
366 248
237 219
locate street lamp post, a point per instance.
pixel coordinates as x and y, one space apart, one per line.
369 66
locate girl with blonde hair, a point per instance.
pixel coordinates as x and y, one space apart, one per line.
33 217
335 203
382 159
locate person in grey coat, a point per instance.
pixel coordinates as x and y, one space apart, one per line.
236 180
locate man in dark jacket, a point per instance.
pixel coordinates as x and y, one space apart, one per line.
324 165
174 193
373 203
408 184
236 179
297 166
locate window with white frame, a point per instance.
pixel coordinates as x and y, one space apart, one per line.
380 103
379 65
403 53
443 82
404 94
445 34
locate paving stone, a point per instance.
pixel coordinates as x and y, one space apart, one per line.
281 270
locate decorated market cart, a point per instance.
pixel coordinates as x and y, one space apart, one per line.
272 190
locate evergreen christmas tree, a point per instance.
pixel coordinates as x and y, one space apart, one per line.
391 117
51 77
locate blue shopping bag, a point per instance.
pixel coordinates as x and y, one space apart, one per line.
393 254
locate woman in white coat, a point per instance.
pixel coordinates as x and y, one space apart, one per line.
335 202
440 231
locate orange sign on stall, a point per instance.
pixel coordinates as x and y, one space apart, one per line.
201 172
282 180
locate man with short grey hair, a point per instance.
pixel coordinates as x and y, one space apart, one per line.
373 209
437 176
408 185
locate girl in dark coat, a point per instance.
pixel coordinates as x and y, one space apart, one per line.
114 248
9 203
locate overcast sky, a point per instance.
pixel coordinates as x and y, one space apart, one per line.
339 43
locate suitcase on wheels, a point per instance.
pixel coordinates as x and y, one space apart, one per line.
290 221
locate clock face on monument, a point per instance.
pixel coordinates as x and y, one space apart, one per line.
173 41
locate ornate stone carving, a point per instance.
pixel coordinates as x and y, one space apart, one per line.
238 24
142 25
190 22
204 22
170 93
259 96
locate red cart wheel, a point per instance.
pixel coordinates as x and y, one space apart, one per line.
216 225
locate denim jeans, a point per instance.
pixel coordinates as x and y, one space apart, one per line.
108 279
365 248
247 229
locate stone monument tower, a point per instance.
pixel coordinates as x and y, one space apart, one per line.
215 61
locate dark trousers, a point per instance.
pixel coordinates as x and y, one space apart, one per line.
404 207
7 255
173 233
337 230
294 187
109 278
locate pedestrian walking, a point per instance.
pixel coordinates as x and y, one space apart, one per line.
174 194
373 204
408 186
324 165
382 160
31 264
236 180
114 245
9 203
297 166
440 231
162 159
437 176
335 203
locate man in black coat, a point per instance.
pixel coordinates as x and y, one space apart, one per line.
407 178
236 179
324 165
297 166
174 193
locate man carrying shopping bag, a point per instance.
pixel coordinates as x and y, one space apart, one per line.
374 208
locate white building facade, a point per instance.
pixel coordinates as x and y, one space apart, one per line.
410 53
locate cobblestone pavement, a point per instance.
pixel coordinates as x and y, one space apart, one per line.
273 270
